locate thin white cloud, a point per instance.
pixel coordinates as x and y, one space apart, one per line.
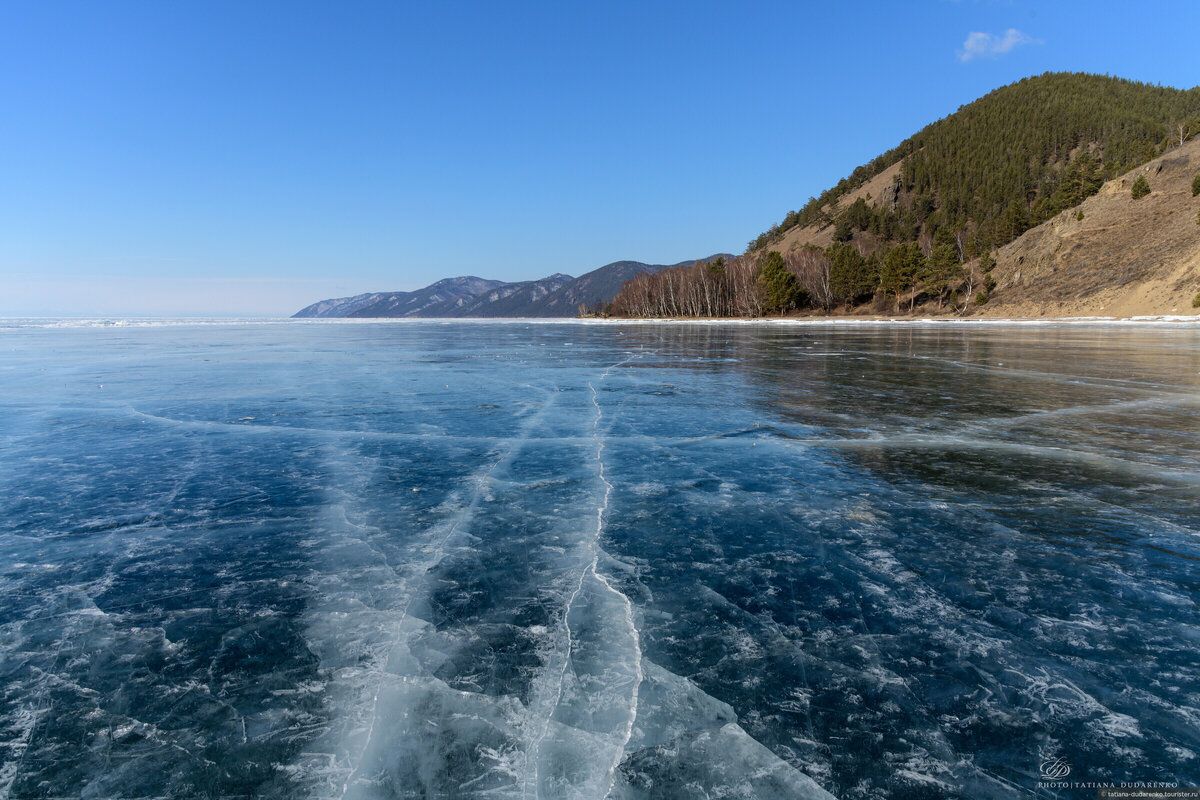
993 45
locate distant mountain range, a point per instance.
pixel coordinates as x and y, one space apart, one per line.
557 295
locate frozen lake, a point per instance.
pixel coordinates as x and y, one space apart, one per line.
570 560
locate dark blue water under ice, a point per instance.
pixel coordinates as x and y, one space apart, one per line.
570 560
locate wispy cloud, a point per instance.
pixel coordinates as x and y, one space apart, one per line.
993 45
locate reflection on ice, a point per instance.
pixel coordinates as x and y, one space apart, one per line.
436 560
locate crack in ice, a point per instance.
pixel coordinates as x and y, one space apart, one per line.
591 570
463 516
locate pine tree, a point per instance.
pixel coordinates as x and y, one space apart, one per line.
851 276
1016 220
1196 185
943 271
780 290
987 262
843 231
1141 187
901 267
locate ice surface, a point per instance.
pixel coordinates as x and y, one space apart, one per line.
596 560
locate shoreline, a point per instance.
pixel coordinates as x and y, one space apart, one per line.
102 322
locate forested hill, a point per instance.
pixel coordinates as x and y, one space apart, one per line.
1004 163
924 223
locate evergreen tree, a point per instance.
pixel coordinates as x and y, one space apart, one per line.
781 291
901 267
859 214
1016 220
1196 185
1079 181
851 276
1141 187
943 271
987 262
843 231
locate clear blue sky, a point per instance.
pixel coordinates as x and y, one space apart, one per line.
251 157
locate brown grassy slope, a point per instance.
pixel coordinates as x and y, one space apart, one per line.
796 238
1125 258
